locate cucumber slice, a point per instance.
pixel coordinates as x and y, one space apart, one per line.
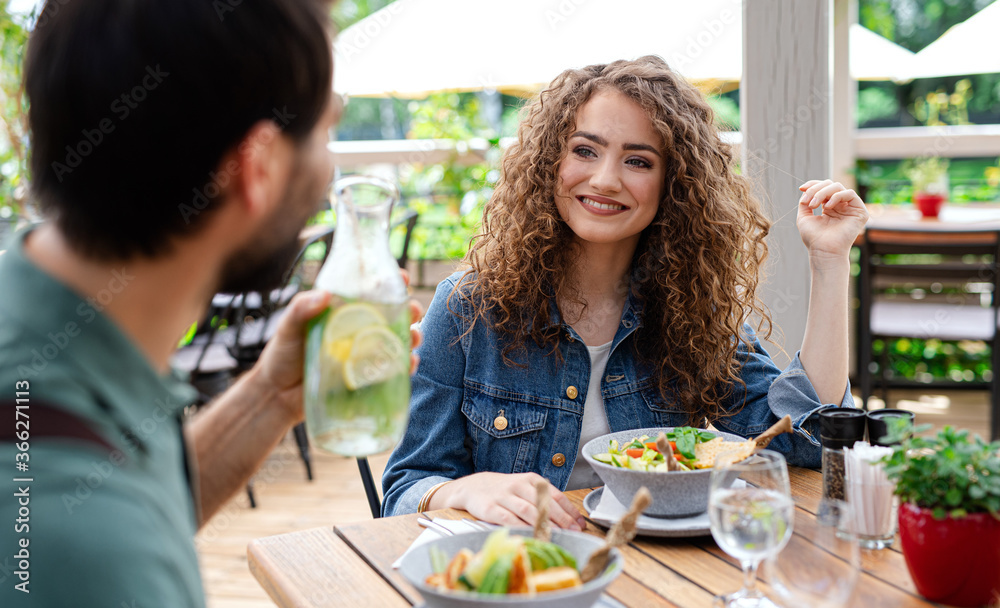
605 458
555 559
498 576
567 558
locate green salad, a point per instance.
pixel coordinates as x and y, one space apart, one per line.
641 453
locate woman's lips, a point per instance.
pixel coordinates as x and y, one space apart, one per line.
601 206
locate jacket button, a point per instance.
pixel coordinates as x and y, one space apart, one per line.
500 423
559 460
571 392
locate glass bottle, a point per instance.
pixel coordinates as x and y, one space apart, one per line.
839 429
357 383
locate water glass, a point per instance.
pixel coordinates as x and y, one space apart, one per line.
820 565
751 517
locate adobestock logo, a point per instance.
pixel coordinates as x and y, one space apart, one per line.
122 107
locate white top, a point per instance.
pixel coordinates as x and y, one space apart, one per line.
595 419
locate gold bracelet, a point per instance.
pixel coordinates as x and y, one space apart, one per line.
426 500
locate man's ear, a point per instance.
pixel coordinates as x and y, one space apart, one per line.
260 166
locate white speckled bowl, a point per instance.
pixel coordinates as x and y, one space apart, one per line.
416 567
675 493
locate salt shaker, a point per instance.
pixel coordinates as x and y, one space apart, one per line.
839 429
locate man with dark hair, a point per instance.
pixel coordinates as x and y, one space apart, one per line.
178 147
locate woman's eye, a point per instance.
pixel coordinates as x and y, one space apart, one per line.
584 152
639 162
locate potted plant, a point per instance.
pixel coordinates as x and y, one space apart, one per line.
949 514
929 176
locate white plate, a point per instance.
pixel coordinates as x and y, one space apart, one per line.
654 526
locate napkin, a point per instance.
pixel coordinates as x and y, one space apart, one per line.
456 526
610 509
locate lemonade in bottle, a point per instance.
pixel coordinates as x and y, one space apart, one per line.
357 382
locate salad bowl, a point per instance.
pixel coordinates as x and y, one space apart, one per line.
675 493
416 567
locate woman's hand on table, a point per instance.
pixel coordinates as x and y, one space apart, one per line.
506 499
830 234
282 363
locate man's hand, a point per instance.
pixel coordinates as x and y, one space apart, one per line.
282 364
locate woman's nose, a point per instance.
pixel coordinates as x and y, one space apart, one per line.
606 177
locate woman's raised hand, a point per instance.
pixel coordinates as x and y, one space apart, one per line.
831 233
507 499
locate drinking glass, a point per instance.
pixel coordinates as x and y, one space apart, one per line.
357 382
820 565
750 510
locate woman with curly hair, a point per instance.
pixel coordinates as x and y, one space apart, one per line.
611 289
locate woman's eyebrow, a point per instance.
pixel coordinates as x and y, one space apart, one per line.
645 147
597 139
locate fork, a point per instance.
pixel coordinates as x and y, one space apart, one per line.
481 526
433 525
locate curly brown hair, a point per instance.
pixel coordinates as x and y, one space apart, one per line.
697 265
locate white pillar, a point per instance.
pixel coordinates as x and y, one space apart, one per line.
845 92
785 105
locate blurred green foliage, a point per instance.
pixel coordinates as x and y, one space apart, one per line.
885 182
875 103
13 120
346 13
914 24
727 110
448 196
934 360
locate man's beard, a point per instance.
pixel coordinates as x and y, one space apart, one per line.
264 263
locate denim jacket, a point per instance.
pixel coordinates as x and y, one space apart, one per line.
462 387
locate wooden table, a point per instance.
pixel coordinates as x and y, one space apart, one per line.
971 217
350 565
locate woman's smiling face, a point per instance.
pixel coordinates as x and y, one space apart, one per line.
611 179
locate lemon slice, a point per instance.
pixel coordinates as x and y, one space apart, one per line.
375 357
346 322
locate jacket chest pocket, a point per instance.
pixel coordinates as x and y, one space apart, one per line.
662 412
505 434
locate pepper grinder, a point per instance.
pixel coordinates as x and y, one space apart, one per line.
839 429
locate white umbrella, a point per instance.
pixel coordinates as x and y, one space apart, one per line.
874 57
413 47
967 48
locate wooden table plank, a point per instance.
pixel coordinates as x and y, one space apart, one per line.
380 542
315 568
664 580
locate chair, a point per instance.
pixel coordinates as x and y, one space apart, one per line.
935 261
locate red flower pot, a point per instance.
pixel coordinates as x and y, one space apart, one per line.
929 204
952 561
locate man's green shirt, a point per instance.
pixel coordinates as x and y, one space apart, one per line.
104 527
